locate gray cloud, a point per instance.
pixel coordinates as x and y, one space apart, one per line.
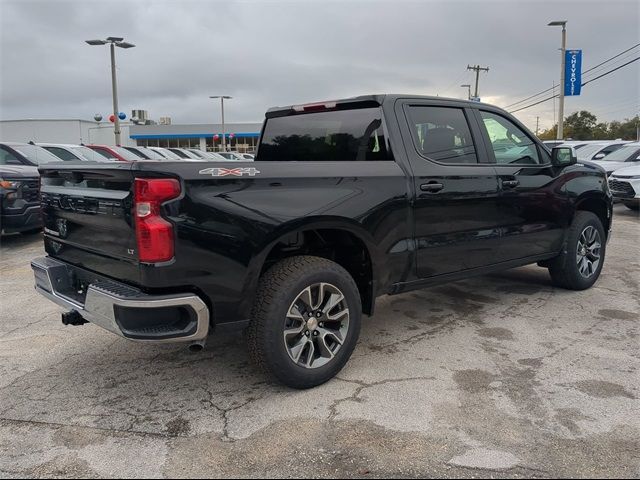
274 53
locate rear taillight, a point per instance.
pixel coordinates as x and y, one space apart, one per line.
153 233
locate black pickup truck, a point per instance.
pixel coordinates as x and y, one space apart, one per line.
347 200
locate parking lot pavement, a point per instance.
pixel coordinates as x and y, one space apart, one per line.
501 375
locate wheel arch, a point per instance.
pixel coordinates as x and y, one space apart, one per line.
342 240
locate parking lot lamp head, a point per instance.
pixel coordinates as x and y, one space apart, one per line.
114 42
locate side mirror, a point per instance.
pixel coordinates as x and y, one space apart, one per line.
563 156
599 156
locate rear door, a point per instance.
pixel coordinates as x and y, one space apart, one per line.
456 224
533 206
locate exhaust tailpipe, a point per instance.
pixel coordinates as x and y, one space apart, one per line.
198 346
73 318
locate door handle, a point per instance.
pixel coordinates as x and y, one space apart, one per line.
431 187
510 183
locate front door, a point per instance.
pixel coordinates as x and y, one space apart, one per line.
456 189
533 204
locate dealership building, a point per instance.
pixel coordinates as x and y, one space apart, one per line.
239 136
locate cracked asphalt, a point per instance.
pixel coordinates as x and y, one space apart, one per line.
500 376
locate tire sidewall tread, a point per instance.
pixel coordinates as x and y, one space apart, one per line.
277 289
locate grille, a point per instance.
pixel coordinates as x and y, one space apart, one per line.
621 189
30 190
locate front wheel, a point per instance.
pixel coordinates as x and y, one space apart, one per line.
580 263
305 321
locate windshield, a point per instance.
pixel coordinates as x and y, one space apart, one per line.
623 154
153 154
126 154
590 150
169 154
89 154
35 154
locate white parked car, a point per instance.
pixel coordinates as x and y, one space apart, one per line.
627 156
66 152
624 184
597 151
185 154
166 153
209 156
233 156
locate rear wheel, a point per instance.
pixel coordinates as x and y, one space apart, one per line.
305 321
633 205
579 265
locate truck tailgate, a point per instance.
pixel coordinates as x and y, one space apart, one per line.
87 217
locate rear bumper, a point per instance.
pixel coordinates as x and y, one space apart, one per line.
121 309
27 219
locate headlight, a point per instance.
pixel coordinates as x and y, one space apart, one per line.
10 184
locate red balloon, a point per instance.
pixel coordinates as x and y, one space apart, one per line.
112 118
216 136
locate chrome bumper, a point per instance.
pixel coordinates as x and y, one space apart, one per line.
105 301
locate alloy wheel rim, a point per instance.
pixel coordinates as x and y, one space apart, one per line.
588 252
316 325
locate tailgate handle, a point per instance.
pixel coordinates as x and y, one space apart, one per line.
510 183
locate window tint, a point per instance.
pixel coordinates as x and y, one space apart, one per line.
510 144
62 153
105 153
339 135
35 154
8 158
442 134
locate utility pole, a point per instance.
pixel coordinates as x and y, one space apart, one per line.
537 125
563 49
477 69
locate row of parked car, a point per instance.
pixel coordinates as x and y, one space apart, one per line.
619 158
19 178
35 154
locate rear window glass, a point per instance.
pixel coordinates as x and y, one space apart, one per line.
35 154
342 135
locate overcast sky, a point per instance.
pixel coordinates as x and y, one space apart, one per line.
266 53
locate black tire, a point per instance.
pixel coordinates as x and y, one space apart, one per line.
564 268
279 287
632 205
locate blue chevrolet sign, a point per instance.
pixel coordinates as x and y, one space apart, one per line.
573 72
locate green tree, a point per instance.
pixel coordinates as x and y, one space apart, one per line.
580 125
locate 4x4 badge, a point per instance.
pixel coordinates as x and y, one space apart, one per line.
235 172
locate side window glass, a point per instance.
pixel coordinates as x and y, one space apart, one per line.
510 144
8 158
442 134
62 153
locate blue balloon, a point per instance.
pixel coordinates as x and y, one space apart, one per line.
122 115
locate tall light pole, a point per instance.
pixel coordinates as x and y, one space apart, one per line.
114 42
469 90
222 99
563 24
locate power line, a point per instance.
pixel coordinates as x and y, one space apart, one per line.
582 85
584 73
